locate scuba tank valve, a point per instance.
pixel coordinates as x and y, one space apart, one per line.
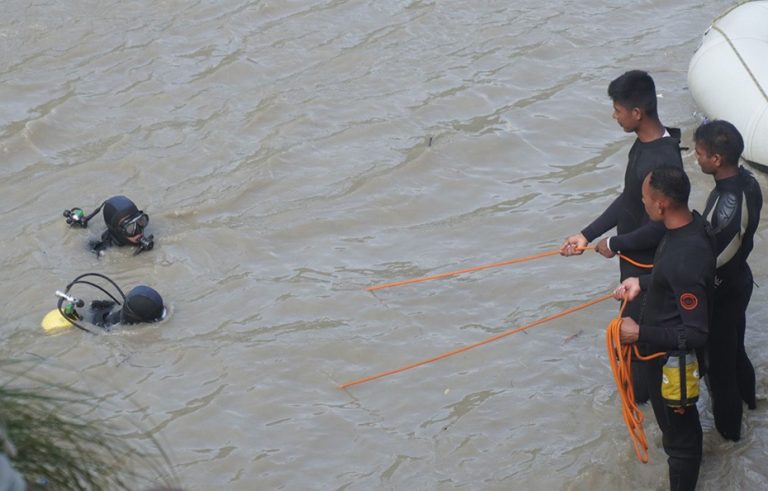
76 216
69 308
70 299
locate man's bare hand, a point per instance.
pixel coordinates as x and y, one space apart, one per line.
574 245
629 332
629 288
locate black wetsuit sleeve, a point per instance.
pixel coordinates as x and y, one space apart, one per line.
690 294
645 281
645 237
604 222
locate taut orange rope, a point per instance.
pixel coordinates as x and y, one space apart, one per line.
475 345
462 271
492 265
620 358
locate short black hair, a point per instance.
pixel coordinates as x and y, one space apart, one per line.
722 138
672 182
635 88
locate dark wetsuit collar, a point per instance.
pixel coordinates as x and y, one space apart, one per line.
688 228
729 183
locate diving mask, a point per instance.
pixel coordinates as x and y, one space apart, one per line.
135 224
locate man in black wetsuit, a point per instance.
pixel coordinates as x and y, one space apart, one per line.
733 209
634 108
125 225
675 315
141 304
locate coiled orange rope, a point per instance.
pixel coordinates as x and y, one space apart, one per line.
492 265
620 358
479 343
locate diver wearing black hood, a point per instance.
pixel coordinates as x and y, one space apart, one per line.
141 304
125 224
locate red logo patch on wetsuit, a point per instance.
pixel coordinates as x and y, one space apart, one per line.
688 301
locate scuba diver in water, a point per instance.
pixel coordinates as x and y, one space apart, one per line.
125 225
141 304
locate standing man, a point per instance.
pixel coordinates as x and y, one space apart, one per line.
674 318
733 209
635 109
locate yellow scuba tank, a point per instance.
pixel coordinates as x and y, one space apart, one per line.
54 321
680 379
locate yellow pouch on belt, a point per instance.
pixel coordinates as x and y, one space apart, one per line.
680 379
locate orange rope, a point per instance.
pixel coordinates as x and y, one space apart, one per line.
492 265
462 271
475 345
620 358
635 263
